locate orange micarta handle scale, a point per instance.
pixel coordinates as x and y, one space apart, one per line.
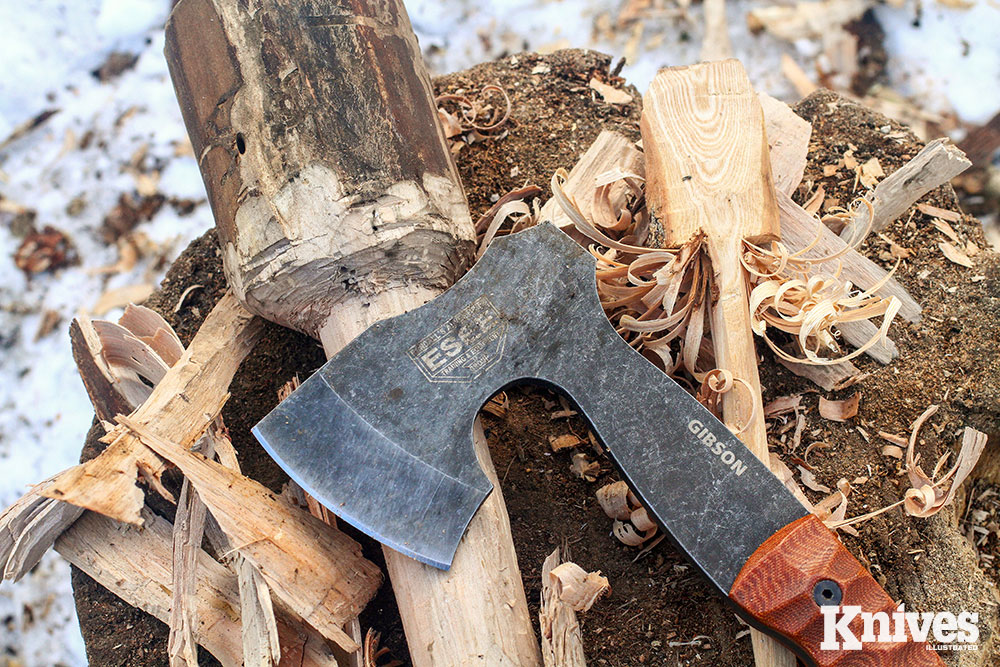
778 585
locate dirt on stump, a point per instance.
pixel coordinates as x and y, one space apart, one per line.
660 610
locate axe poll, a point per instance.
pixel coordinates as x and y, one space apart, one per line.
337 204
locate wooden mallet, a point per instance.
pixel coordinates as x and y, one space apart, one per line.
337 204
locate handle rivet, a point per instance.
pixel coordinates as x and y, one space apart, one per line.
827 592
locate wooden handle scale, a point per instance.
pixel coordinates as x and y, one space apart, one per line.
804 567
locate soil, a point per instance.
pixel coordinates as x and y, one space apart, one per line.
660 610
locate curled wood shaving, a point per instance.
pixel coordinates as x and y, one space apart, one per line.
562 645
791 295
498 405
616 500
927 496
839 411
476 118
577 587
373 652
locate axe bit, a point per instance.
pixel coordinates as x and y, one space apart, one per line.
381 435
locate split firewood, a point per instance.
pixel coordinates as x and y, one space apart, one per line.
326 585
937 163
787 143
317 571
562 644
367 230
135 564
716 44
708 173
181 406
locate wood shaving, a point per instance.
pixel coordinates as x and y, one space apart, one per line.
945 229
615 499
584 468
498 405
840 411
809 480
942 213
577 587
566 441
927 497
610 94
955 255
783 405
562 645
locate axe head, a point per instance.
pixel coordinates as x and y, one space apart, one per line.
381 434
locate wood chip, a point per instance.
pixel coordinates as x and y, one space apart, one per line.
809 480
121 297
870 173
562 644
937 212
567 441
584 468
893 451
610 94
576 587
839 411
945 229
955 255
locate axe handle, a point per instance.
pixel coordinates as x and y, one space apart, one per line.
337 204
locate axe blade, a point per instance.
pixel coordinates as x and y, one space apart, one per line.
382 434
366 479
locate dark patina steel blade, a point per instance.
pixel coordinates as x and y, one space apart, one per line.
381 435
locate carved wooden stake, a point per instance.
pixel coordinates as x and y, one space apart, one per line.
338 204
708 172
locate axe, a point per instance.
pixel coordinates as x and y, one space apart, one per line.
337 203
381 435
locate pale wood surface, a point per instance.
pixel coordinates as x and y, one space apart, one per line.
562 645
708 171
937 163
476 612
317 138
138 570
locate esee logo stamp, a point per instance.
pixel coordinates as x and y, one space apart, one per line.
464 347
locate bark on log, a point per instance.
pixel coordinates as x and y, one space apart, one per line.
338 204
317 139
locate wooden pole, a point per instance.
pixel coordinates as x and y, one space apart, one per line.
708 172
338 204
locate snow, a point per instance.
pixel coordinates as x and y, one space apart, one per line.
48 53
